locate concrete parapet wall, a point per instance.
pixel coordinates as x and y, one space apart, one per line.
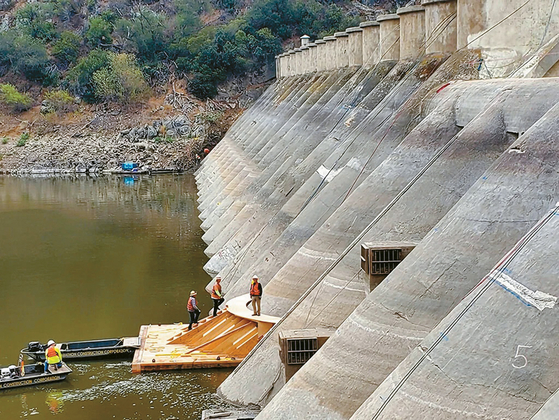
355 48
371 43
440 26
412 31
389 37
505 31
320 55
330 55
313 57
305 64
342 49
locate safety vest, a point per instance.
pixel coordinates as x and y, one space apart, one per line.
254 289
215 290
53 355
191 304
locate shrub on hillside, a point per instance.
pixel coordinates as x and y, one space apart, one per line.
67 48
59 101
99 32
80 77
145 34
13 99
31 58
121 81
203 85
34 19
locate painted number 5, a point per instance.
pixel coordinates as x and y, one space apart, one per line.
519 364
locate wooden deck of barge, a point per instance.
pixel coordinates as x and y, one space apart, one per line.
221 341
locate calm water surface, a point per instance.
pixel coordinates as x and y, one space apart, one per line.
84 258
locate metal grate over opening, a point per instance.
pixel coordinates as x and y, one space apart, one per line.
383 261
299 351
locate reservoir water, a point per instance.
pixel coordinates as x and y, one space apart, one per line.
88 258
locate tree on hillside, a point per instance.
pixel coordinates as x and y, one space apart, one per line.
34 19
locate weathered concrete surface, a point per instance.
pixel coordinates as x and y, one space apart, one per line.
495 355
284 104
311 195
307 133
393 319
281 108
351 130
323 100
341 290
550 409
225 154
505 31
275 131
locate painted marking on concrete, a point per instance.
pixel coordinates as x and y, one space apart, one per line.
537 299
349 121
335 286
327 174
355 164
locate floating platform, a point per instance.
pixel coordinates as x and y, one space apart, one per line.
221 341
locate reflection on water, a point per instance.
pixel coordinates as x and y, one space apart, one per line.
87 258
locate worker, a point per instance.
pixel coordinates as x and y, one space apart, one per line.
255 295
193 310
52 356
217 295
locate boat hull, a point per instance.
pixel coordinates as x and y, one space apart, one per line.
35 376
95 349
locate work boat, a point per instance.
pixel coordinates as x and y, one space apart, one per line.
93 349
33 374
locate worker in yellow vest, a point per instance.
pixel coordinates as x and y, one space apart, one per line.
217 295
52 356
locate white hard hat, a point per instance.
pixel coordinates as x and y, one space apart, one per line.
50 343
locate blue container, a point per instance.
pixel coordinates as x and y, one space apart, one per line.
128 166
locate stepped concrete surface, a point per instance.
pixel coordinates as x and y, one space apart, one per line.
342 288
470 366
435 126
505 202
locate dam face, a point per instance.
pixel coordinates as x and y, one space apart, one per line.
433 128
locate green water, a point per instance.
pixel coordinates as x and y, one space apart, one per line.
84 258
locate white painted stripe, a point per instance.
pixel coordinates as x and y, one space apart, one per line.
355 164
327 174
537 299
335 286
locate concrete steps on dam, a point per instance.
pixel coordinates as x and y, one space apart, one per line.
304 97
473 366
395 316
335 157
311 205
283 144
277 185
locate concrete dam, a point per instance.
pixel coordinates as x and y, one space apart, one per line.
396 190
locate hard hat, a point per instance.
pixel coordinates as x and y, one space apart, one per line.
193 293
217 278
255 277
50 343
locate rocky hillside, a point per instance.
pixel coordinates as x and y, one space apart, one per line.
87 85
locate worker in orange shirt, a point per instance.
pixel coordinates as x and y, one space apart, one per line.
255 295
52 356
217 295
193 310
